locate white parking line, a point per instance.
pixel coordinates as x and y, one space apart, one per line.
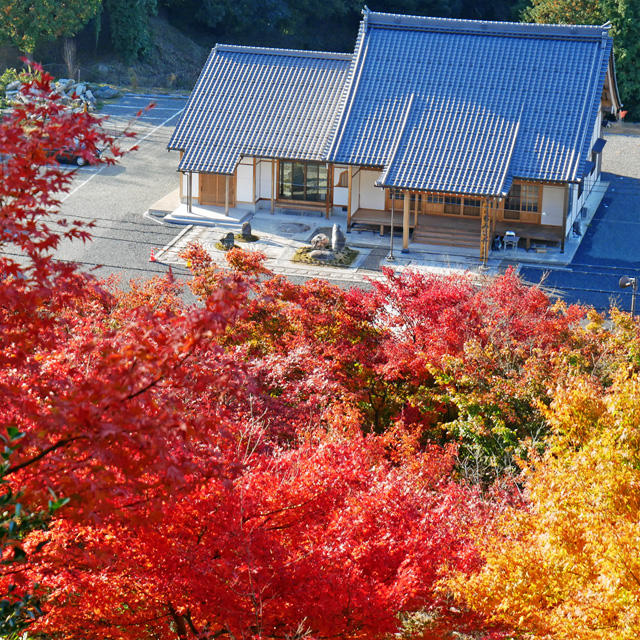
135 142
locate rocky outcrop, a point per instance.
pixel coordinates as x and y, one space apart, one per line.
76 95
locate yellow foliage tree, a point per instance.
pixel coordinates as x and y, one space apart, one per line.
567 566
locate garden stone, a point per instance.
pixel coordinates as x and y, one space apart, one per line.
322 254
320 241
80 89
13 86
227 240
338 241
106 93
246 231
89 96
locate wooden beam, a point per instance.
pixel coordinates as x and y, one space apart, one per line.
273 185
415 211
189 192
565 211
329 189
485 231
226 195
254 179
349 196
406 220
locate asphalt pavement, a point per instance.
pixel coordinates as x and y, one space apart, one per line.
117 198
610 247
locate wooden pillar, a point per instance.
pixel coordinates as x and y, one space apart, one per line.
406 220
565 212
254 179
190 192
485 232
226 195
415 211
273 185
349 196
329 189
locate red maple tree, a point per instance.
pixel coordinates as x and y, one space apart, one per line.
268 463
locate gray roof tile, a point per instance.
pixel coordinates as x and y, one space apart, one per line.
263 102
455 106
492 102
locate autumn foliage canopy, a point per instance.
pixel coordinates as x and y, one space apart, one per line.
428 456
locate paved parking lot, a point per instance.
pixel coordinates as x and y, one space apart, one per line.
611 244
118 197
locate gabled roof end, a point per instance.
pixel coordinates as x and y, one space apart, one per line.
294 53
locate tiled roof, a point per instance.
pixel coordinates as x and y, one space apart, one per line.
456 106
262 102
465 106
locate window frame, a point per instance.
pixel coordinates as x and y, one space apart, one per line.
323 192
523 198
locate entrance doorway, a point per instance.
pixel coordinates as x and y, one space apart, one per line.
213 187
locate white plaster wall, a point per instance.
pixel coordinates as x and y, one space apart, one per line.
575 205
340 194
371 197
552 205
355 192
264 181
244 181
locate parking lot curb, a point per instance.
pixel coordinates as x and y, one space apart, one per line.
170 245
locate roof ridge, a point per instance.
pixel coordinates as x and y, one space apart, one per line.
530 29
296 53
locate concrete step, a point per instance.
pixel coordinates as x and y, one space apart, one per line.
205 221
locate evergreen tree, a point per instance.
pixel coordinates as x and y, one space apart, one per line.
624 16
130 33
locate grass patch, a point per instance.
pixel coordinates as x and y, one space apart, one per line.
343 258
240 238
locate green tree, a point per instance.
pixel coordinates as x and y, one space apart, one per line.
624 16
24 22
130 33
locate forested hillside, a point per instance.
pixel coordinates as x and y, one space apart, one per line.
122 28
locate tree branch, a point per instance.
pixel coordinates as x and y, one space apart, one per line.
58 445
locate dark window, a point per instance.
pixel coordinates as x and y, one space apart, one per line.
522 197
396 194
305 181
512 201
471 207
529 197
452 204
435 198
